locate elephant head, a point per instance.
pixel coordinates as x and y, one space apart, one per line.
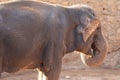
89 38
97 49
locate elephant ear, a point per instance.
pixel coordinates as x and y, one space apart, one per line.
89 29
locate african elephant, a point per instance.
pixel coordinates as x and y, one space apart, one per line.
36 34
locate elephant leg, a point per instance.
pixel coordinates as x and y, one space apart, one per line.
52 60
52 74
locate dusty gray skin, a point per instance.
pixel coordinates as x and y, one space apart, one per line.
37 35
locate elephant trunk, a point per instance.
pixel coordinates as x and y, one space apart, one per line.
96 54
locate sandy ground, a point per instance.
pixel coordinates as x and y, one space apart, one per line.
69 74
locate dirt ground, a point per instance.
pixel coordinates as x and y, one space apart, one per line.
69 74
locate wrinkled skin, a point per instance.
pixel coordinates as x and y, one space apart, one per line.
37 35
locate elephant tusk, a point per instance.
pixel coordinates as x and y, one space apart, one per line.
84 57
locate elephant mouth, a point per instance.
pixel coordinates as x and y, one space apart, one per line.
92 52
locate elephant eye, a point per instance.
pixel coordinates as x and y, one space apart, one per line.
93 14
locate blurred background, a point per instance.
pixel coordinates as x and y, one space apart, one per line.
108 11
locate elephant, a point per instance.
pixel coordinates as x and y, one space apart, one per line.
36 35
